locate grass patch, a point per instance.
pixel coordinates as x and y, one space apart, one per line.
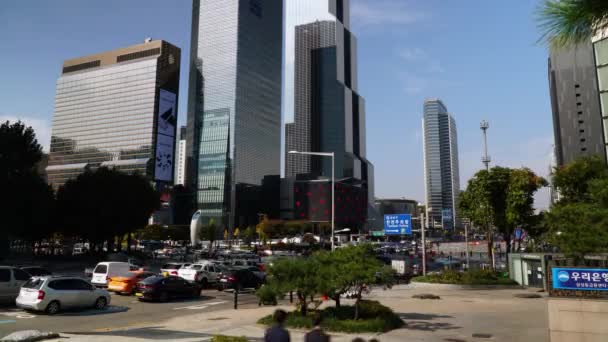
482 277
374 317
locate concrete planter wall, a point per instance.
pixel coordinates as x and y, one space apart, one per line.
415 284
572 319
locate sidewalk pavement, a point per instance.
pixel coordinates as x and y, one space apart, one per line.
460 315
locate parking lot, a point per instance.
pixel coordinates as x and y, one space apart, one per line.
123 312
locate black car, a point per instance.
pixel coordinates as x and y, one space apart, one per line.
164 288
239 279
36 271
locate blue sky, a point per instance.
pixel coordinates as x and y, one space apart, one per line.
480 57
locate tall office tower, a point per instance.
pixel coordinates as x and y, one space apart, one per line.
575 102
180 157
234 106
117 109
321 89
441 170
600 45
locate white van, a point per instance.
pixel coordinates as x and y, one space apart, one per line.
106 270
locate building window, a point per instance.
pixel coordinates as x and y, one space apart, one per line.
583 149
578 104
581 121
580 113
581 131
577 86
583 139
578 95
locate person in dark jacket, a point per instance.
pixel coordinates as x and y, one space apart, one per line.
316 334
277 333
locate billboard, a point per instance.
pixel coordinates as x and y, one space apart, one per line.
398 224
167 117
595 279
165 136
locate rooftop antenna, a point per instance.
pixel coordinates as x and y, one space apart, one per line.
485 159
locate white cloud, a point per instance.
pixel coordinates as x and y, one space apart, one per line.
375 12
41 127
412 54
435 67
418 84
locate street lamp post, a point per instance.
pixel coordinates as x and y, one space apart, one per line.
325 154
423 241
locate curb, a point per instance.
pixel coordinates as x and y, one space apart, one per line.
421 285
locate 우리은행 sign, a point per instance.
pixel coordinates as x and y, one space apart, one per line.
591 279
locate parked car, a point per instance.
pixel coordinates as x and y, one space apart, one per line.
203 273
11 279
164 288
54 293
172 267
239 279
36 271
126 283
106 270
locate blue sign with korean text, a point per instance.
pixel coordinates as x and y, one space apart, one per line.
595 279
399 224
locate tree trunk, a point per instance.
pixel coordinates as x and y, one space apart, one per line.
336 299
129 242
490 247
119 243
357 305
507 238
303 305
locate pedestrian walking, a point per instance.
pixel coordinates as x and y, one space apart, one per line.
316 334
277 333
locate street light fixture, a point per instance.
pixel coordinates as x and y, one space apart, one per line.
423 239
325 154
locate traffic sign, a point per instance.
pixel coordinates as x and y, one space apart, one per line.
398 224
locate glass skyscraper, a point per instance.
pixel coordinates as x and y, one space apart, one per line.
324 110
600 45
441 170
117 109
234 108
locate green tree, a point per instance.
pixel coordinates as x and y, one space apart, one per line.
499 200
209 233
578 222
567 22
298 275
103 204
27 200
350 269
573 179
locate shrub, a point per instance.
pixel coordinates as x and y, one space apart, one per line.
478 277
374 317
222 338
267 295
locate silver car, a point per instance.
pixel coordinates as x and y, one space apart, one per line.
54 293
11 279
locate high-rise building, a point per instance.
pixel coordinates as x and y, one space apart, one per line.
600 47
322 94
180 157
234 105
441 170
117 109
575 103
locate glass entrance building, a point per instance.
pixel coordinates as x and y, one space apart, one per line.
234 106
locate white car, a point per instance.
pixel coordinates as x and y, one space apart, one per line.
106 270
203 273
54 293
173 267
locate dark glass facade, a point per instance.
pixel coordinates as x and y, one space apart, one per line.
234 109
107 113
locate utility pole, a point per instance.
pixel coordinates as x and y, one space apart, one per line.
423 244
466 242
485 159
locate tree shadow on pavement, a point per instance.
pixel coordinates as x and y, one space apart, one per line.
152 333
418 321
